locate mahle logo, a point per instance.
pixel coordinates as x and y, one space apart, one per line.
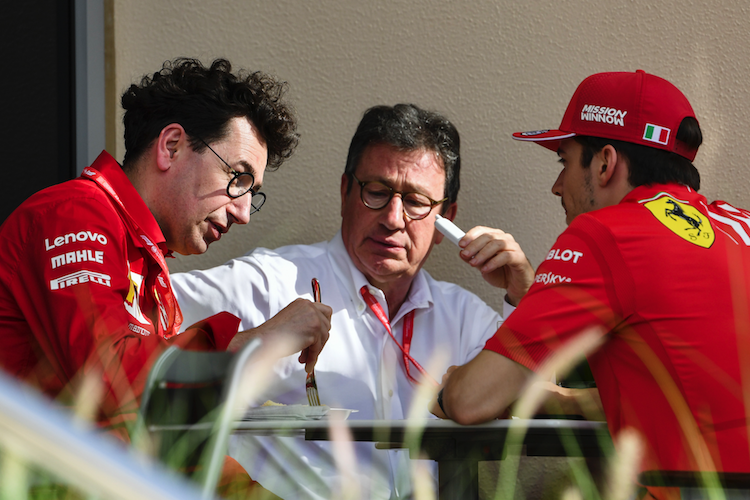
683 220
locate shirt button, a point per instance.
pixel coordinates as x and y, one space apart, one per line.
390 393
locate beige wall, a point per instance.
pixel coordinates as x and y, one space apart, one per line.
492 66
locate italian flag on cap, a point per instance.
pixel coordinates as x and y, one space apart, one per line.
655 133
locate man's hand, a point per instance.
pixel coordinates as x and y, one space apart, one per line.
300 326
565 401
500 260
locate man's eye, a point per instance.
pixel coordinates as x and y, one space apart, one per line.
378 192
416 201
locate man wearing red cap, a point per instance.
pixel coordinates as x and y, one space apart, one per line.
663 275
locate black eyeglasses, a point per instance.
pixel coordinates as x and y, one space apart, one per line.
376 195
240 184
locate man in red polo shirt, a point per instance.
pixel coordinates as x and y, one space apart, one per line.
84 286
664 274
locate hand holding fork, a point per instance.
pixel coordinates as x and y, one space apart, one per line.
313 399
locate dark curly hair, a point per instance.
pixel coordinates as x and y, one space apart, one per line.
203 100
408 127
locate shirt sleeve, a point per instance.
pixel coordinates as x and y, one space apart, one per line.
240 287
574 289
481 321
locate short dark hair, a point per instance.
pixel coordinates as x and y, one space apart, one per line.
408 127
203 100
650 165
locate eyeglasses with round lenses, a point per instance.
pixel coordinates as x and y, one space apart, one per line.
376 195
240 184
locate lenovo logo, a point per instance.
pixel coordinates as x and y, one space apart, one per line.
73 237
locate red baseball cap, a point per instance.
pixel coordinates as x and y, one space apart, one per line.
632 107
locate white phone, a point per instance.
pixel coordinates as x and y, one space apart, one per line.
449 229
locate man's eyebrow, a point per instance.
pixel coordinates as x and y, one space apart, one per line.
246 167
411 188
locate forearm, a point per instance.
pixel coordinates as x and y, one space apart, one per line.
243 338
483 389
518 287
302 327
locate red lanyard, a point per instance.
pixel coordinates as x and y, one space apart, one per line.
408 332
170 316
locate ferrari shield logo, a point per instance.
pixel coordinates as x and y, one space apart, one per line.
683 220
131 300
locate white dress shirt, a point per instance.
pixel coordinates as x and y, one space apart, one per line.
360 367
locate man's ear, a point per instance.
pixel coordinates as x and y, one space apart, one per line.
449 214
607 165
344 186
170 145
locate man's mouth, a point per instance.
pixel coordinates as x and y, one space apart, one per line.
217 230
387 244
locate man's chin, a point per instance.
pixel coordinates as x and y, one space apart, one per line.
195 247
386 270
203 247
385 259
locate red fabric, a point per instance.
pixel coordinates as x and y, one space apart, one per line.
236 484
99 319
677 320
633 107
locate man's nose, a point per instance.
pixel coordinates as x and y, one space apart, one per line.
557 187
239 209
394 213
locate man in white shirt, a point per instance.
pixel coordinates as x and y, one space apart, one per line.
402 168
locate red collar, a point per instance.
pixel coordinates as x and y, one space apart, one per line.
131 199
678 190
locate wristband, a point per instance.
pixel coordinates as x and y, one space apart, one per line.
440 402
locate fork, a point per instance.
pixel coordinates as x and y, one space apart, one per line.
313 399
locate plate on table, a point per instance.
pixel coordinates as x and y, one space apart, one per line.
287 412
339 413
296 412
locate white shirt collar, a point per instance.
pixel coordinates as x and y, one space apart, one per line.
352 279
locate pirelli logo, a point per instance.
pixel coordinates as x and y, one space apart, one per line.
79 277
